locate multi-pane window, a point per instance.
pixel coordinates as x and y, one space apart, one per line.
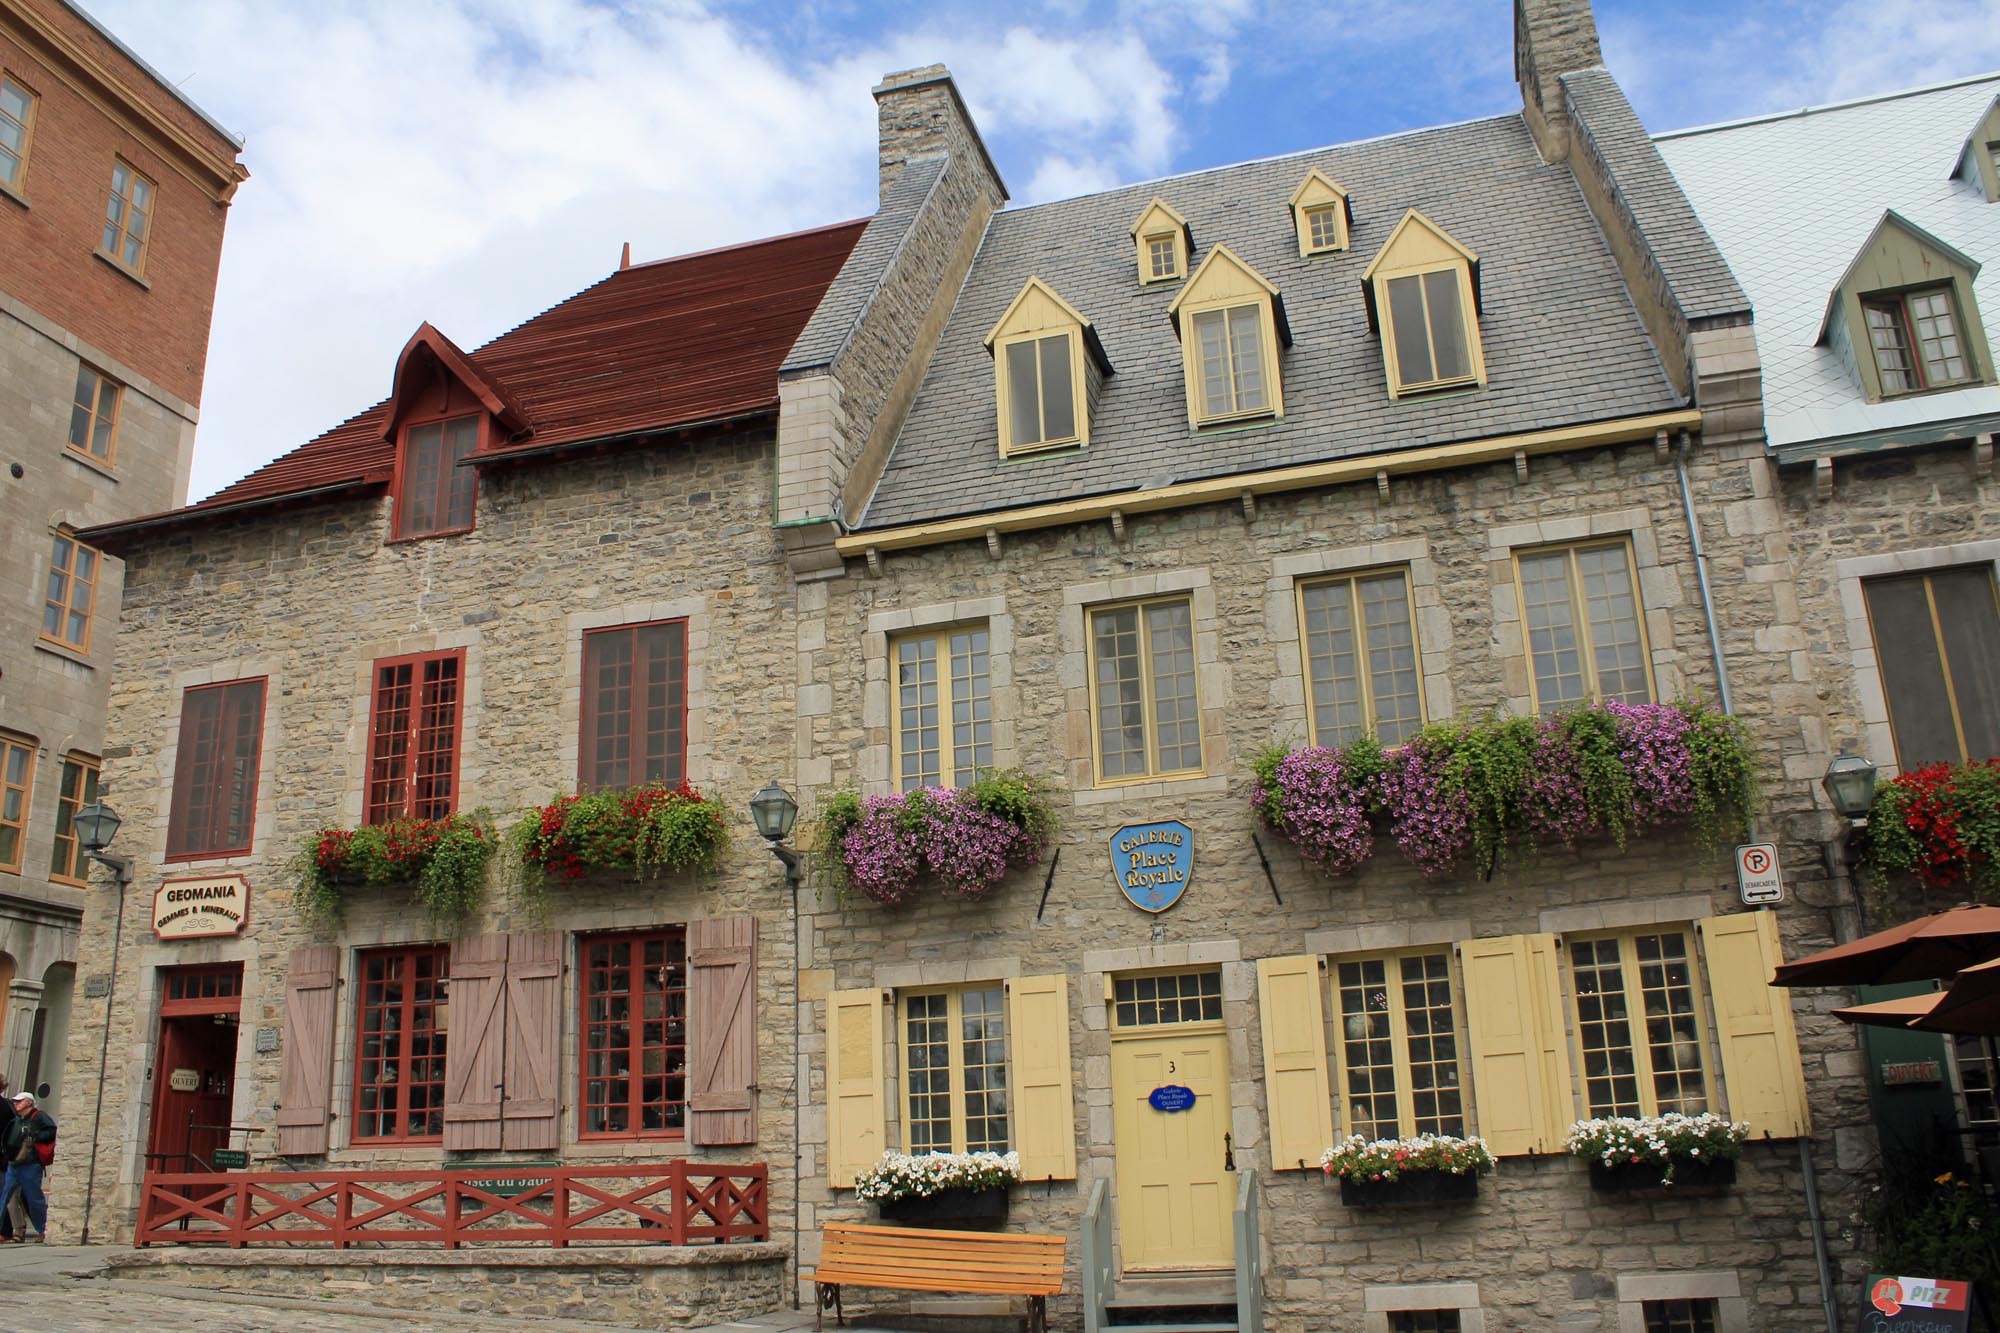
17 778
78 789
1162 257
1323 226
1177 997
72 592
955 1071
93 415
944 708
1230 369
215 770
1427 320
1584 638
435 491
1978 1060
413 737
634 706
1915 339
1041 390
635 1033
128 217
399 1060
1361 658
1148 720
1423 1321
1696 1316
17 121
1398 1046
1937 637
1638 1024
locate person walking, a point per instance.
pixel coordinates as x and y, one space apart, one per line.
20 1148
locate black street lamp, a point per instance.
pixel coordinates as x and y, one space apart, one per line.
1850 784
96 825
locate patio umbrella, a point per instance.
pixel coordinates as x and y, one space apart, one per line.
1896 1013
1971 1007
1939 945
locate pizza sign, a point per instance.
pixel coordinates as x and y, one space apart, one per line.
1915 1305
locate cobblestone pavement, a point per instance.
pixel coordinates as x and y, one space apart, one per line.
88 1307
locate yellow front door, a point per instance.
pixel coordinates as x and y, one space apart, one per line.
1175 1194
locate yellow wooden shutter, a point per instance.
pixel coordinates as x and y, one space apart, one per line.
1038 1049
1520 1055
1753 1025
853 1084
1295 1087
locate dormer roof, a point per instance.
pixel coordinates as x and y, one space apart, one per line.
1222 257
1036 287
1415 231
1890 218
1162 209
430 352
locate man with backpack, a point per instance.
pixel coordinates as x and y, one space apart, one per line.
28 1145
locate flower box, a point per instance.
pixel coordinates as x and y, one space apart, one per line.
443 861
946 1206
963 841
1410 1188
1690 1173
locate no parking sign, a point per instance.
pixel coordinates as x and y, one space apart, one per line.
1757 876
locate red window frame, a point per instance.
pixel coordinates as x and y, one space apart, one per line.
217 763
401 993
613 1092
203 989
415 706
437 496
611 751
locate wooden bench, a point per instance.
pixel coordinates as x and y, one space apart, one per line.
978 1263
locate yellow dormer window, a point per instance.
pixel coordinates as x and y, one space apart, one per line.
1319 211
1163 240
1423 300
1230 320
1046 360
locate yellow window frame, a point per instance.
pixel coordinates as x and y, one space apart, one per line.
106 406
134 178
19 184
22 791
1937 642
1157 974
65 606
66 860
1643 1071
1468 325
1224 283
1159 222
1399 1036
1154 246
1147 693
1079 415
947 699
1354 579
955 1046
1580 613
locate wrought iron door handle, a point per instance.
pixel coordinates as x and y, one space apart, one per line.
1228 1152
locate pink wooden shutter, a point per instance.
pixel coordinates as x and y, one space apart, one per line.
305 1073
722 1023
533 1045
473 1046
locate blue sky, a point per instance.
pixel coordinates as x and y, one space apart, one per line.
472 162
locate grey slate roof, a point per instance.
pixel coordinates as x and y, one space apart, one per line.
1792 198
820 342
1694 268
1563 344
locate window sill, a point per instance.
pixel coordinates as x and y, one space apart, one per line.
1073 444
82 459
9 192
1191 784
406 538
65 652
119 268
1216 425
1932 390
1436 389
191 859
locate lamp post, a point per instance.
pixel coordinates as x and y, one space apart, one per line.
775 810
96 825
1850 786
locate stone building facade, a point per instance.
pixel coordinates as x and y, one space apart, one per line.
113 194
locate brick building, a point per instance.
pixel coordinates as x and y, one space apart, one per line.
113 194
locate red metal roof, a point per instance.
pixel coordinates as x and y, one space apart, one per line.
670 343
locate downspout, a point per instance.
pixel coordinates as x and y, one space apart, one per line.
799 1083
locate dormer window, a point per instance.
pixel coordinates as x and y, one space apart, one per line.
1422 294
1914 337
1047 362
1900 339
1230 320
443 412
1319 211
1979 159
436 494
1164 243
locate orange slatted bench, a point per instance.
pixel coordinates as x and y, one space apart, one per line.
973 1263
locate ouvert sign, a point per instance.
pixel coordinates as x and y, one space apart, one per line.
193 909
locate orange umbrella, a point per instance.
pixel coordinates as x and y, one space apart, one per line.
1939 945
1971 1007
1897 1013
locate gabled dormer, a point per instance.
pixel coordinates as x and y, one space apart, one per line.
1422 293
1230 320
1163 241
1904 316
1048 365
1979 160
442 410
1321 214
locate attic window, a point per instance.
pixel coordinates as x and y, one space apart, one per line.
435 494
1164 241
1319 211
1421 292
1915 340
1162 257
1428 324
1046 361
1897 337
1323 227
1229 321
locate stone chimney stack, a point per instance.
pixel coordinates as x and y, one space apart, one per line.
920 115
1551 38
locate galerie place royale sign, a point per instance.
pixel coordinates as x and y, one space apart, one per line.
1152 863
194 909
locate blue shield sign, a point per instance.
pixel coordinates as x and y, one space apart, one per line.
1152 863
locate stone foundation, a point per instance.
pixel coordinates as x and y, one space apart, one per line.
668 1287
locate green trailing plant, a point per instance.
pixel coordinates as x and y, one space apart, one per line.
443 860
642 831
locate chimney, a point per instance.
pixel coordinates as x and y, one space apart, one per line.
1551 38
921 115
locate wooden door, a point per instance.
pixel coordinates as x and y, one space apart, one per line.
1176 1192
192 1074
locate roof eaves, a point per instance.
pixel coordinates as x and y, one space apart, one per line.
112 536
1921 435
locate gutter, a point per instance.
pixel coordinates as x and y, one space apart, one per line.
1214 490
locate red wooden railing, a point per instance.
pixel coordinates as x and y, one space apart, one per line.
663 1203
